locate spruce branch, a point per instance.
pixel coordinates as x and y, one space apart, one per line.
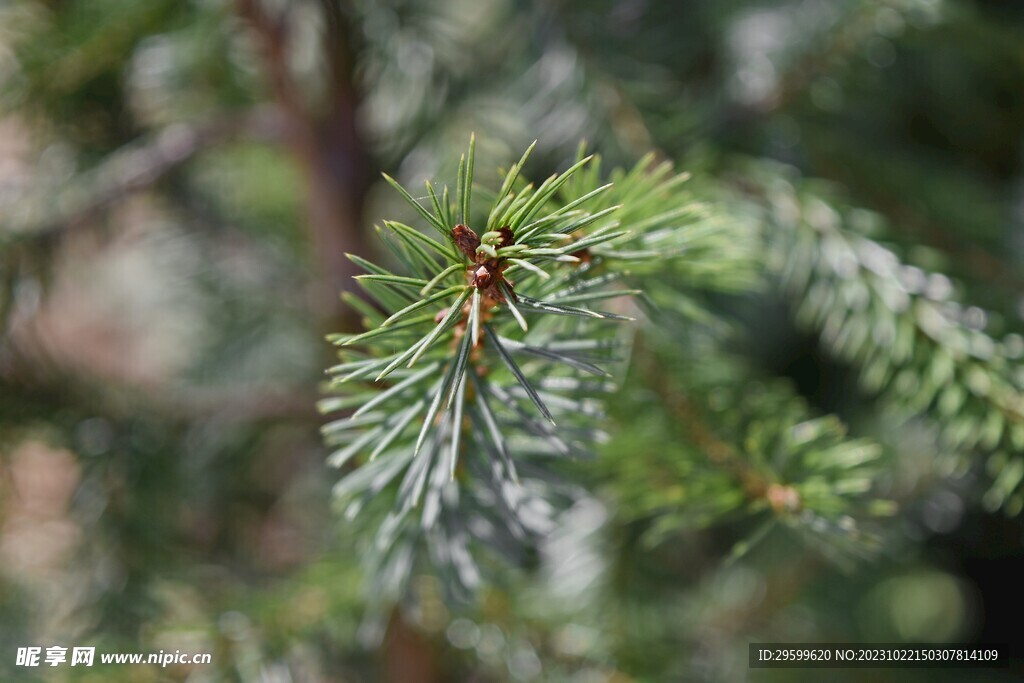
669 243
915 344
744 449
469 383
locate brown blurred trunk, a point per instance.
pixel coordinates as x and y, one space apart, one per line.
330 153
407 655
335 208
326 145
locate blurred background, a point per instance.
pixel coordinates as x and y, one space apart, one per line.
180 179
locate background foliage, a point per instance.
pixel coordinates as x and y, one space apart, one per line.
817 426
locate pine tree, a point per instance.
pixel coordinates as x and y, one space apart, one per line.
737 367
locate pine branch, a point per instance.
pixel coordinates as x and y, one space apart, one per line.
925 352
742 448
668 243
469 382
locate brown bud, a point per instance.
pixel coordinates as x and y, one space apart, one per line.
507 238
482 278
466 240
582 254
783 498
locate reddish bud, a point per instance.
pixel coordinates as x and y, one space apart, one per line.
466 240
482 278
507 238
